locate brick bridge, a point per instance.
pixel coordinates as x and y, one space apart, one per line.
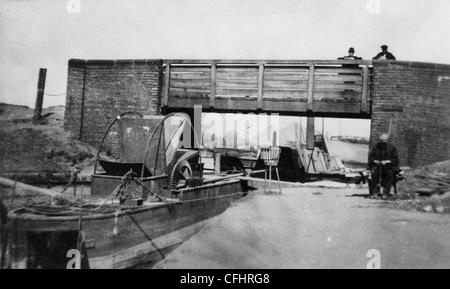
414 97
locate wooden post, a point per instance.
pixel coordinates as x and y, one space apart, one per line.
310 132
40 94
260 85
258 118
212 96
217 164
311 87
197 129
391 125
365 89
24 189
165 101
235 131
224 131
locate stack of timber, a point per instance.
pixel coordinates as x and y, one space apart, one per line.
436 183
427 180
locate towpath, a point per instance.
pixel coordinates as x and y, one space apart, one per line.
315 228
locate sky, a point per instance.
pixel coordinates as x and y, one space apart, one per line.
45 33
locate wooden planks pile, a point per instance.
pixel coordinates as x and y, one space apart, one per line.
436 183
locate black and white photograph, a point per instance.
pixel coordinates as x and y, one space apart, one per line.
246 135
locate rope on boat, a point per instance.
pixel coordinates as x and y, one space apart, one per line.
58 211
80 237
47 213
139 182
118 190
72 180
72 211
124 184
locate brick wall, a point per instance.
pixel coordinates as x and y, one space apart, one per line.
416 97
99 90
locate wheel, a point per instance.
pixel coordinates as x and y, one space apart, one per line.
180 174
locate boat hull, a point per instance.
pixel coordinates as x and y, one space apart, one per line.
125 238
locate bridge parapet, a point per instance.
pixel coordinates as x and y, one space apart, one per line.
284 86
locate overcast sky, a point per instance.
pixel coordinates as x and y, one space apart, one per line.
42 33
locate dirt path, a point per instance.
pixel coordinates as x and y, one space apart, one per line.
316 228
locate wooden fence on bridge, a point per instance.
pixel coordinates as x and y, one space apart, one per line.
272 86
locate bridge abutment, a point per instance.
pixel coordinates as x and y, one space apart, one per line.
413 100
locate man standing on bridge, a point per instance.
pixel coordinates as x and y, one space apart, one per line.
384 54
384 164
351 55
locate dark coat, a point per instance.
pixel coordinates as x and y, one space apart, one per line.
382 153
388 55
350 58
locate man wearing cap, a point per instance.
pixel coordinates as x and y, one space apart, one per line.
384 163
384 54
351 55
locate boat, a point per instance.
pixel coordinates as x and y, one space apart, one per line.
142 205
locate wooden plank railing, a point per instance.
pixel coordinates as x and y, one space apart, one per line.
260 84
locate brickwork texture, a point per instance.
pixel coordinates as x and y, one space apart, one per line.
414 100
99 90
